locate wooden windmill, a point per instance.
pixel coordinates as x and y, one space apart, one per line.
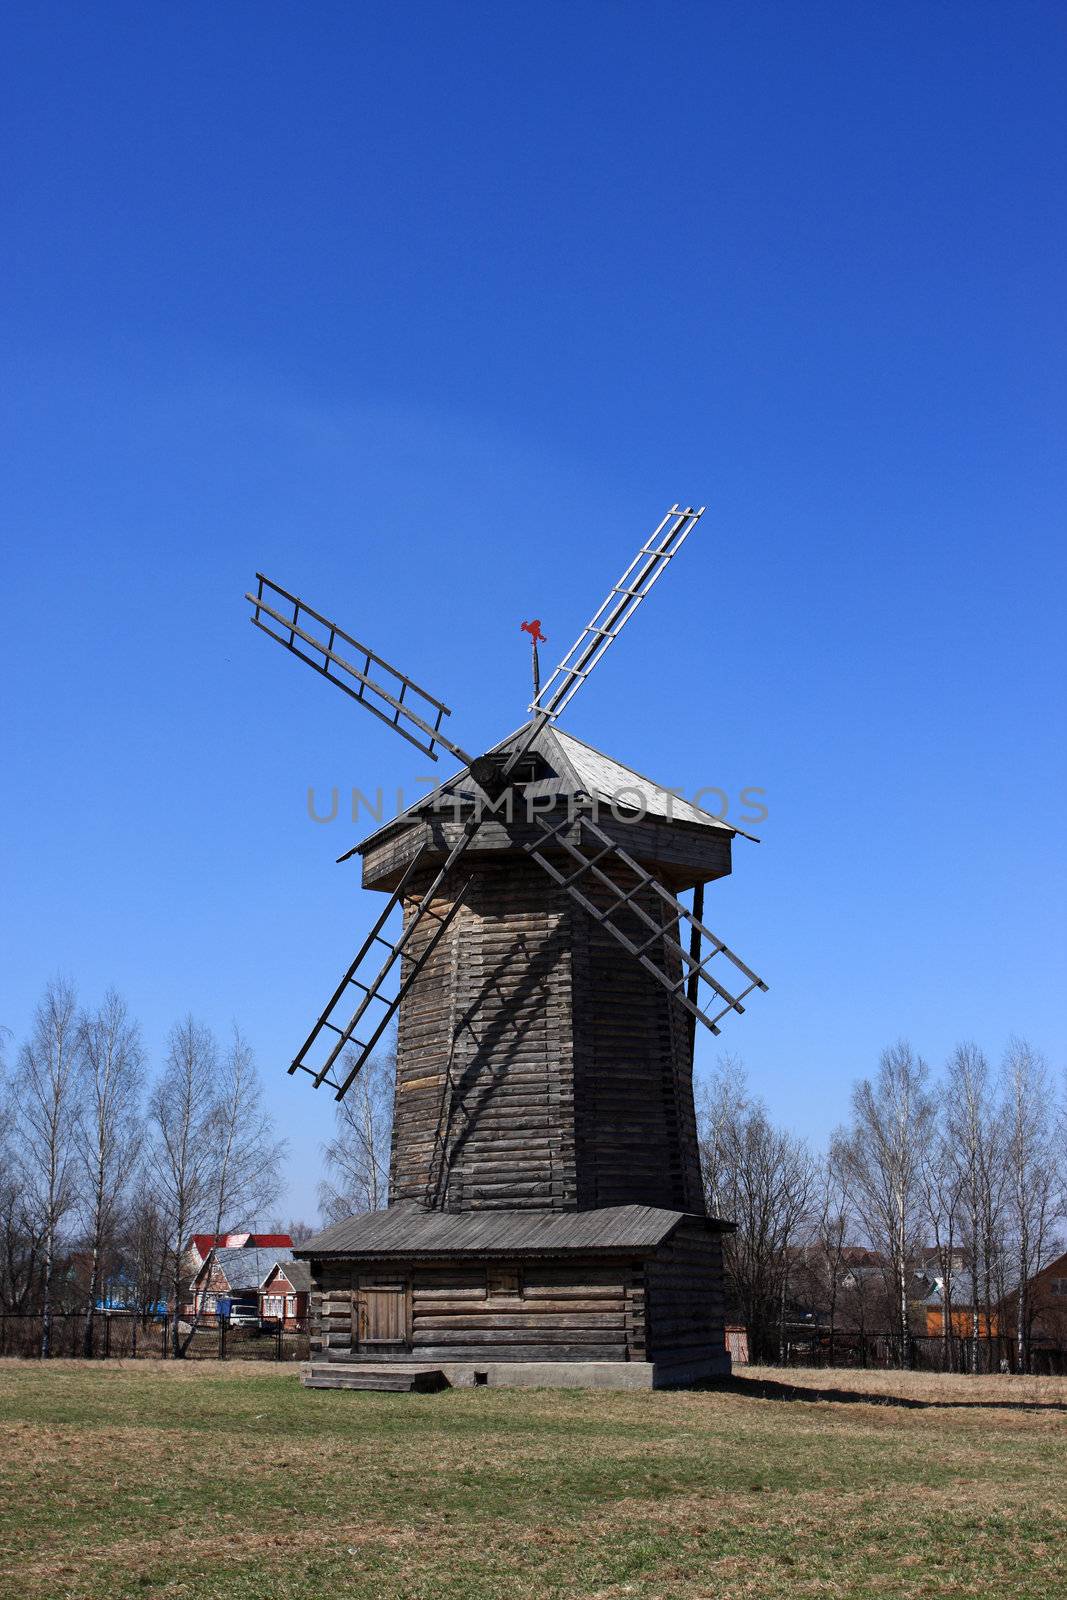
546 1203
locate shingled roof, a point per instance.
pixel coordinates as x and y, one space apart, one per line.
569 766
408 1229
245 1268
298 1274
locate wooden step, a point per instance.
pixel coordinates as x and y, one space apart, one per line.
394 1380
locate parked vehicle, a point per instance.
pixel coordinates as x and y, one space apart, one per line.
244 1316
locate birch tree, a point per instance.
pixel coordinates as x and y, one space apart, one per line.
761 1178
182 1161
974 1149
146 1245
942 1190
109 1133
20 1237
45 1106
357 1157
247 1172
881 1156
831 1225
1031 1176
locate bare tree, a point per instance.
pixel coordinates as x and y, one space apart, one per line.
881 1157
20 1237
45 1104
831 1225
973 1153
146 1246
247 1158
183 1161
762 1179
941 1180
1031 1173
296 1229
108 1133
357 1157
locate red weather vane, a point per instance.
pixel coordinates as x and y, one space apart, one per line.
534 630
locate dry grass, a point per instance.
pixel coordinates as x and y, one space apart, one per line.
942 1389
201 1481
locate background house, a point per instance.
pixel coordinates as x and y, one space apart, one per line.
961 1313
200 1245
231 1276
283 1294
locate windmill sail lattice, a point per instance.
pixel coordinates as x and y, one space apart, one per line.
596 638
386 691
615 898
377 991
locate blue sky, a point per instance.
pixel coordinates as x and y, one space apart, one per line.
429 311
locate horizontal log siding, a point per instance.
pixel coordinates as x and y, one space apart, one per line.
679 854
685 1301
635 1116
538 1065
585 1310
330 1307
484 1090
566 1311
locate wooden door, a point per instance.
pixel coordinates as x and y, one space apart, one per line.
383 1315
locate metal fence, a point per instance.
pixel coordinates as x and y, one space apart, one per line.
125 1335
925 1353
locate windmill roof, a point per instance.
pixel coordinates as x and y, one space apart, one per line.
408 1229
573 767
595 773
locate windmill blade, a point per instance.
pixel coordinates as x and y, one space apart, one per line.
386 691
686 989
493 772
647 567
375 992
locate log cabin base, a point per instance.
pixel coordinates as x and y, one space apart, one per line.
621 1297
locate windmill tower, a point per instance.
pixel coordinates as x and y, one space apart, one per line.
546 1219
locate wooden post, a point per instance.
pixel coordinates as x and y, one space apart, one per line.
692 989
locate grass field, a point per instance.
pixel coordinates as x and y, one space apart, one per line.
140 1480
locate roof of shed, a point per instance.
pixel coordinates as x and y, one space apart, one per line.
574 767
408 1229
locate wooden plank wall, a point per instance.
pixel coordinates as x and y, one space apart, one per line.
538 1065
330 1307
566 1310
677 853
484 1097
685 1298
635 1116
